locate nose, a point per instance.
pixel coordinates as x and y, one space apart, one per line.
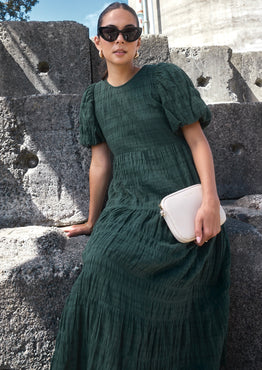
120 38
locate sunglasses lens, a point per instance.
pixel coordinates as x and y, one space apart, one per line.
109 33
131 34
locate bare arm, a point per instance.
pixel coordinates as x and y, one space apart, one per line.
207 223
99 177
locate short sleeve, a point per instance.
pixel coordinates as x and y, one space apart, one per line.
180 100
90 131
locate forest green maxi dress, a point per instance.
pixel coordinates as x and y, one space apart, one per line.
144 301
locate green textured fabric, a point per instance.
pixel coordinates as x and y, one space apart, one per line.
144 301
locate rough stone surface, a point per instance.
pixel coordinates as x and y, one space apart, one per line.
209 69
247 209
38 268
247 81
44 57
44 170
154 49
245 330
235 136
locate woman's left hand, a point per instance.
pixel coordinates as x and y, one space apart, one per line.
207 221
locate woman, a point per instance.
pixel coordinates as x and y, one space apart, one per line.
143 300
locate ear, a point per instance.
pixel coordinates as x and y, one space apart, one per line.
97 42
138 43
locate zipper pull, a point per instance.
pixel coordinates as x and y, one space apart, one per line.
162 213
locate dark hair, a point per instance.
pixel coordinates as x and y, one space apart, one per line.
114 6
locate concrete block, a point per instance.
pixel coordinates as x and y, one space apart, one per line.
154 49
44 57
245 331
247 81
38 268
235 136
209 69
44 170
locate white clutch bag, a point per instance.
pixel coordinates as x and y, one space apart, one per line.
179 210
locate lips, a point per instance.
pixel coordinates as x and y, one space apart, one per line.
120 51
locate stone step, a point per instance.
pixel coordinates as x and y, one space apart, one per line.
38 268
40 264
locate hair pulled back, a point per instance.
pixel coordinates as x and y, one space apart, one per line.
113 6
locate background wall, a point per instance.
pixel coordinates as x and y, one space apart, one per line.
235 23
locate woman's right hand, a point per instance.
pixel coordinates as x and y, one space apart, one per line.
76 230
99 178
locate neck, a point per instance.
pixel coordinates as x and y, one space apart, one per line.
120 74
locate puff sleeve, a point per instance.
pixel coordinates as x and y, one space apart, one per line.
179 98
90 131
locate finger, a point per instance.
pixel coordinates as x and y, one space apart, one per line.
198 230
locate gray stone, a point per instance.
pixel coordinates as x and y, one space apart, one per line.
44 57
247 209
245 331
38 268
44 170
247 81
235 136
154 49
220 75
209 69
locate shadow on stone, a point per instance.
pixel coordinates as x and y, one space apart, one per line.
240 87
245 331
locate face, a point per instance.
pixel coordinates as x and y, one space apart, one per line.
119 51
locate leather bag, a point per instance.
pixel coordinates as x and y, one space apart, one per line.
179 210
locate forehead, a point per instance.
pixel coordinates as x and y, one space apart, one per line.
119 17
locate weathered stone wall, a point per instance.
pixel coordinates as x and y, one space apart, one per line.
221 75
44 173
209 69
43 58
247 81
187 23
44 179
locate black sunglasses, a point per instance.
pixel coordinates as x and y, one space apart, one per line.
111 33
